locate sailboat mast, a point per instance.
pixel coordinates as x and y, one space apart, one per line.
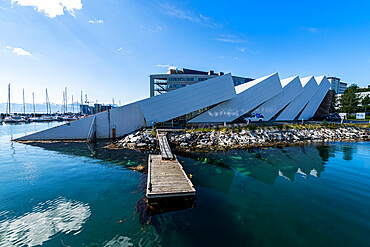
24 105
9 111
62 108
73 107
66 101
81 103
33 103
47 105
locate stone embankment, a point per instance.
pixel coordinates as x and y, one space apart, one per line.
139 140
213 140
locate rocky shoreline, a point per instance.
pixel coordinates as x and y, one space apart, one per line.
204 140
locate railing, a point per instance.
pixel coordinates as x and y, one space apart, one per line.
92 132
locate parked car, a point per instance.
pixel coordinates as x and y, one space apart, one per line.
333 117
255 117
330 117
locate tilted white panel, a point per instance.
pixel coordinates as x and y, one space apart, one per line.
188 99
296 106
315 101
291 88
250 95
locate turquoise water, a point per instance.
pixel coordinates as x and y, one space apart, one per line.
72 194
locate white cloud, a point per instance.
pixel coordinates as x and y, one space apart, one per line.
230 40
158 28
173 11
18 51
167 66
311 29
96 21
121 49
52 8
244 50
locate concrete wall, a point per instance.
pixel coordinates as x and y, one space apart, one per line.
291 88
250 95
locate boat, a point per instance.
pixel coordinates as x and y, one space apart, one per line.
14 119
47 118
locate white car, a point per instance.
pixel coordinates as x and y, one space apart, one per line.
254 117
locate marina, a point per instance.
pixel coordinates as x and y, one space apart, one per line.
184 124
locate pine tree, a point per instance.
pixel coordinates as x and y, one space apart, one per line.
349 100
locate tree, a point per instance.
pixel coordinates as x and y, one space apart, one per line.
349 100
365 102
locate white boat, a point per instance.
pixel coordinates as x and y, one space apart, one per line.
36 119
46 118
14 119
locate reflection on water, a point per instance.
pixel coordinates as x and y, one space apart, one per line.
44 221
309 195
119 241
263 164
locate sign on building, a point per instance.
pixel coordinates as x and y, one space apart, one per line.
360 115
343 115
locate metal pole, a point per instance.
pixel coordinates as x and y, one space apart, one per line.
47 105
24 105
33 103
9 108
73 106
66 101
62 106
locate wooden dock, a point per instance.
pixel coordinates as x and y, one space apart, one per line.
166 177
166 152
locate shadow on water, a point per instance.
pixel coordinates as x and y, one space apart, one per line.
101 150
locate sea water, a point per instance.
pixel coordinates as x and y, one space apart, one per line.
75 194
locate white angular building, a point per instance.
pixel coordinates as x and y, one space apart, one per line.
215 100
296 106
291 88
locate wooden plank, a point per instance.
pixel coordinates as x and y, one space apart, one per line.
167 178
166 152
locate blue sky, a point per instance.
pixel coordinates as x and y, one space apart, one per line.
109 48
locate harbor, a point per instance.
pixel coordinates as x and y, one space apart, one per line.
68 112
184 123
249 191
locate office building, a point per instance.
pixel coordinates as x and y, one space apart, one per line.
336 85
179 78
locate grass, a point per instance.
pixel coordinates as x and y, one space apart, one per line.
281 127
